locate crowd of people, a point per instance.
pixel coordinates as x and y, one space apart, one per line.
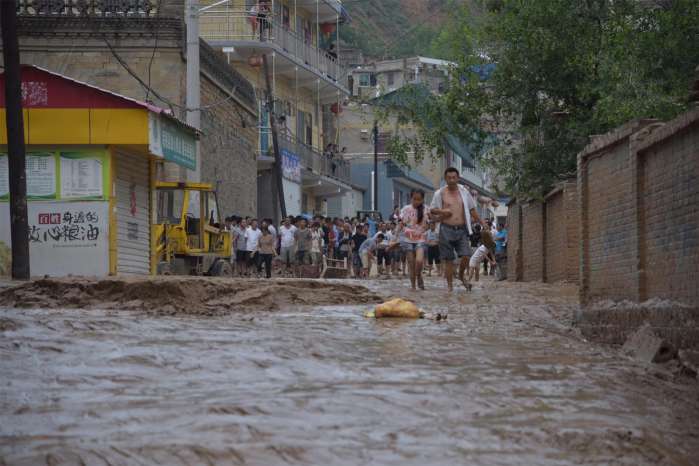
414 241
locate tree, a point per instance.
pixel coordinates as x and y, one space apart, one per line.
564 70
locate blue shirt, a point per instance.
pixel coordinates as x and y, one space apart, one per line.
372 227
500 240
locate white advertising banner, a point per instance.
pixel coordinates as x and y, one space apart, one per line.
81 176
64 237
41 175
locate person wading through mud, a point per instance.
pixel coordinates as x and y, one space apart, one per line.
413 236
455 208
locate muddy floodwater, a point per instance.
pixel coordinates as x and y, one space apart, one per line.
503 381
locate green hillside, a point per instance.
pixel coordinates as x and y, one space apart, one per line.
399 28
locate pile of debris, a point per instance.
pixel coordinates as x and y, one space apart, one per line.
182 295
645 345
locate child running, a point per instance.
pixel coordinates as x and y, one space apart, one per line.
484 252
413 236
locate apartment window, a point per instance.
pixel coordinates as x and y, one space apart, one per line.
391 78
364 79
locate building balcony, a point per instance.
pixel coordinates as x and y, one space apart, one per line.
326 176
245 37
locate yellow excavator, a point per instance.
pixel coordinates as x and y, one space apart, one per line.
188 236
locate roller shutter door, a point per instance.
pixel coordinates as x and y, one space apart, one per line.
133 213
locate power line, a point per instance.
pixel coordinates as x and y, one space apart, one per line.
155 47
165 100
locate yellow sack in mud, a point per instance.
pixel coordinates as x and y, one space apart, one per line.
397 308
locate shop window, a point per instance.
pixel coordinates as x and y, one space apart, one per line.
364 79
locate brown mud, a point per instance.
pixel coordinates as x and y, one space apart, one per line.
504 381
181 295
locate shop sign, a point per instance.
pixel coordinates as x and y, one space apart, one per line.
64 237
171 142
291 166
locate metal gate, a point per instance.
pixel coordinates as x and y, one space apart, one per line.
133 212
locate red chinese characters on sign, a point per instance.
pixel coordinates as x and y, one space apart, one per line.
49 219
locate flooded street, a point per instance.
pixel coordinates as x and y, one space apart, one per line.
504 381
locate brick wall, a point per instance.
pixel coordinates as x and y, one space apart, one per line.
533 235
609 197
668 170
639 189
572 225
562 226
514 249
556 237
228 150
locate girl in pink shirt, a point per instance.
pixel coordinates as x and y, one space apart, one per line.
413 236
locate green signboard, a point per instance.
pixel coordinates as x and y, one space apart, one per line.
171 141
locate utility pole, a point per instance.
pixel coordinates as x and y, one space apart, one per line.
277 194
193 78
19 225
376 165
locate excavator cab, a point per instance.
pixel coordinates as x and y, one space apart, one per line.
188 234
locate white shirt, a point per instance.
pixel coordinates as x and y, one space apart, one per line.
478 256
387 237
466 199
253 238
272 231
287 234
316 241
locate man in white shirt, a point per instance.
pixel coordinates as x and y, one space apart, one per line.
383 256
287 253
455 208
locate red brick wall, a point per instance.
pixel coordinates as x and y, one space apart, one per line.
669 216
572 225
533 242
610 220
651 248
514 252
556 238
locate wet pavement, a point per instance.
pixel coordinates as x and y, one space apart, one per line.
504 381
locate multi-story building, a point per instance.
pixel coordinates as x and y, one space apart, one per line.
308 85
374 79
382 83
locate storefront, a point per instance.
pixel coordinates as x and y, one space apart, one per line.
92 156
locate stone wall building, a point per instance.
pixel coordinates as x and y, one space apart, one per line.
132 49
307 83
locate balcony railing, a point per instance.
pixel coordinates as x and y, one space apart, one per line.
88 8
225 25
316 162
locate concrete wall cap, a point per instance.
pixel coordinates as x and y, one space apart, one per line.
667 130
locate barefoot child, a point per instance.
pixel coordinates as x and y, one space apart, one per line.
484 251
413 236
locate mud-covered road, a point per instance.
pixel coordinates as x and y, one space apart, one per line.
504 381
